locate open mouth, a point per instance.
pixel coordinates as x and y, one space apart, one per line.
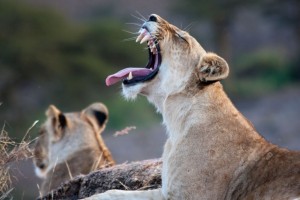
131 76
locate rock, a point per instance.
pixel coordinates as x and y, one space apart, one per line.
141 175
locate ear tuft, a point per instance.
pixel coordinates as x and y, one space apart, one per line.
212 68
97 114
52 111
58 122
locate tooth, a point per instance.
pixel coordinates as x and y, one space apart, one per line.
138 38
154 51
147 37
130 76
143 32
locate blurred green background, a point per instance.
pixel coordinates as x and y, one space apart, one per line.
60 52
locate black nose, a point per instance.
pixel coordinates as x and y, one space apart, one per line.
42 166
152 18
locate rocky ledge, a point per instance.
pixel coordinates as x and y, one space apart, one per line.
141 175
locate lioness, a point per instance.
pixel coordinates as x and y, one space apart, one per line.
213 151
70 144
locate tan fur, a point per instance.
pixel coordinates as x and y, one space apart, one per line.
70 144
213 151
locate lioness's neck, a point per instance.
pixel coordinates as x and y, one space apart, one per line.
204 107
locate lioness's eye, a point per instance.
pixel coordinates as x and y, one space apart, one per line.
41 132
181 37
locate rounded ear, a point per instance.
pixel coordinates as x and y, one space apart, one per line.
97 114
58 121
212 68
52 111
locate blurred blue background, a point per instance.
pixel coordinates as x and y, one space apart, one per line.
60 52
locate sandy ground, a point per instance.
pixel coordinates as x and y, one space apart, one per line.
275 116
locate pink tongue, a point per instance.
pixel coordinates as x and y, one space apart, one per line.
114 78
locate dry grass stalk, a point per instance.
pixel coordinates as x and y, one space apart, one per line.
125 131
11 151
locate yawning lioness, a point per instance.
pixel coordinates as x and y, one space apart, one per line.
213 151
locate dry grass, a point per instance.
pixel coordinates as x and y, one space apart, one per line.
125 131
11 151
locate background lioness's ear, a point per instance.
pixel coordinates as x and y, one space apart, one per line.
97 114
58 122
212 68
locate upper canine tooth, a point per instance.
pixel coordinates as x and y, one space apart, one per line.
130 76
138 38
147 37
141 35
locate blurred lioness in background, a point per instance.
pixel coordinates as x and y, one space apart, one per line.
71 144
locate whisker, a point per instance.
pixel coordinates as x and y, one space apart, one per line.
147 47
138 18
130 32
136 24
141 15
129 39
181 26
187 28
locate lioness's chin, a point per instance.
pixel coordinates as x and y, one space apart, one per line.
131 92
40 173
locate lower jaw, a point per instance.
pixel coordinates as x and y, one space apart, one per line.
155 62
140 80
131 92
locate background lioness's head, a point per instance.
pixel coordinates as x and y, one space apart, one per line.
63 135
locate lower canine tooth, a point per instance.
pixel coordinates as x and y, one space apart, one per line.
130 76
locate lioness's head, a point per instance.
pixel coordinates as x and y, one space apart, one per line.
175 58
64 134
